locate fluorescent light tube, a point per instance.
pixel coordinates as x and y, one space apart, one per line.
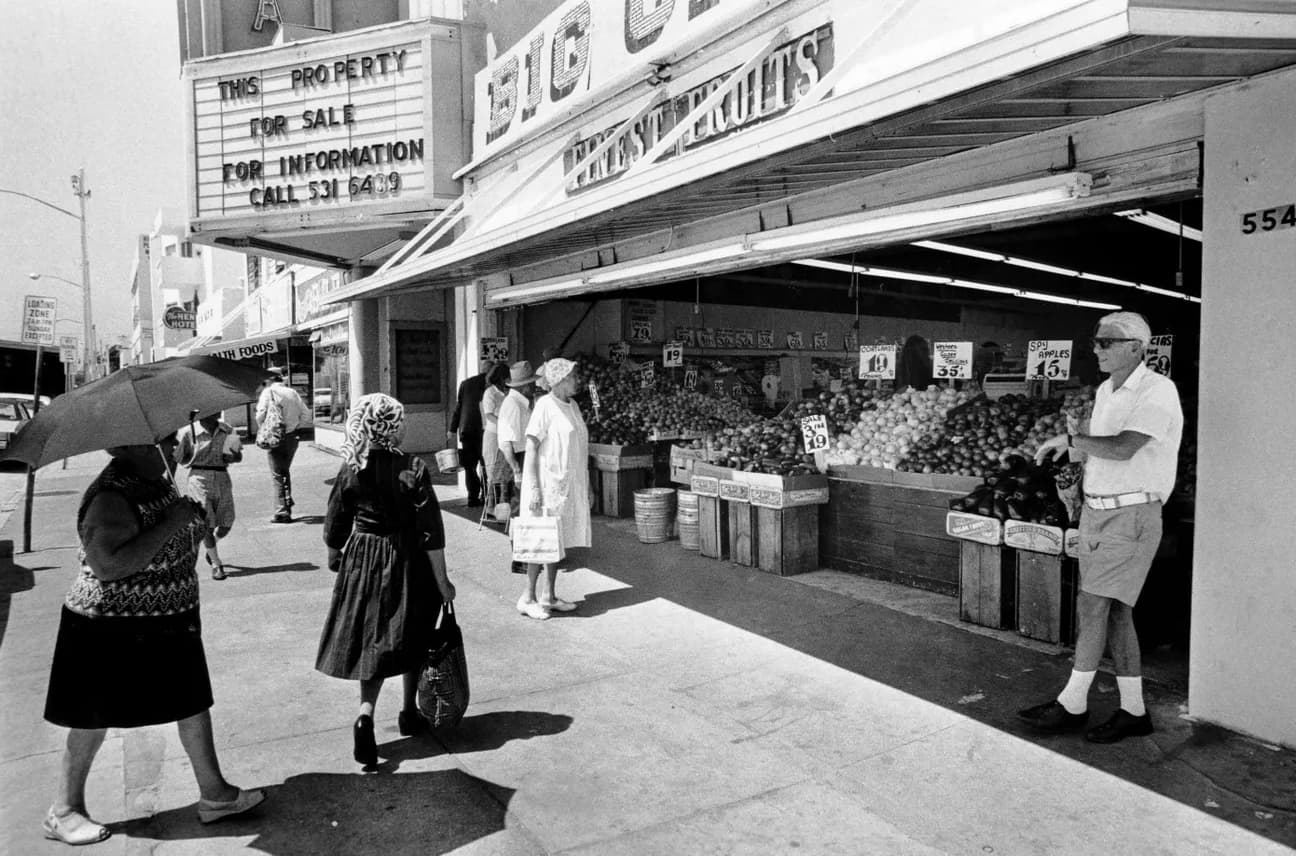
961 251
950 209
621 273
1164 224
982 286
1041 266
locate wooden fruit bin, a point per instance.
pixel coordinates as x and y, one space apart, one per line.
779 517
616 472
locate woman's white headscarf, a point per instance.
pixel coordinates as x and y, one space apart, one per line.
555 370
376 421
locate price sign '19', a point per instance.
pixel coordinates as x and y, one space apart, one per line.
814 431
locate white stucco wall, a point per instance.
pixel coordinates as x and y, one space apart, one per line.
1242 672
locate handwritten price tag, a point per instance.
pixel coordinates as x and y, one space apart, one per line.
647 375
1157 354
814 431
794 341
765 339
640 331
690 379
877 362
1048 359
617 352
953 361
673 354
820 340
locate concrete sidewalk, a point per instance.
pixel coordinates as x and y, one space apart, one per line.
689 706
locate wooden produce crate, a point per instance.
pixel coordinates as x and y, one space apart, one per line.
988 585
784 516
713 517
877 528
616 472
987 571
742 521
1046 596
682 461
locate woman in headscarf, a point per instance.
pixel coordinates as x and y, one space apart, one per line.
387 545
555 479
129 650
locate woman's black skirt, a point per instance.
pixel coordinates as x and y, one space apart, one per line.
126 672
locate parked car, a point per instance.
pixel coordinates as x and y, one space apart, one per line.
14 414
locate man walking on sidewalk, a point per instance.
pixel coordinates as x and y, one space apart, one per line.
466 422
279 394
1129 449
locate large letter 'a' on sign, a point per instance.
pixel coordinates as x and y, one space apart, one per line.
644 22
503 98
267 10
571 42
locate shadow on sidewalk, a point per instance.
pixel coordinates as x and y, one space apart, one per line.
247 571
13 579
982 677
316 813
481 733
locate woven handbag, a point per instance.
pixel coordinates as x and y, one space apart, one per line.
443 681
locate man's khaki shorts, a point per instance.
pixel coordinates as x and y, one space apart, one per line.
1116 549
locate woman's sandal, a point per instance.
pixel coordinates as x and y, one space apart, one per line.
82 831
366 748
218 572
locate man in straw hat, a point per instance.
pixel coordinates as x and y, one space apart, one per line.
514 413
278 394
1130 449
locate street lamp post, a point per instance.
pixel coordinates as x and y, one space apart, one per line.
82 193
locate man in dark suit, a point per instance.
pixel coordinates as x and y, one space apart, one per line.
466 423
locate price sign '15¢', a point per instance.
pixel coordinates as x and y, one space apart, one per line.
814 431
1048 359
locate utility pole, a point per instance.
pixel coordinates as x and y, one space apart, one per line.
91 355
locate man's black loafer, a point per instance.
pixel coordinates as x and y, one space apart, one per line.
1121 725
1052 718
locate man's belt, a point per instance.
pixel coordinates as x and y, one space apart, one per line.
203 467
1119 500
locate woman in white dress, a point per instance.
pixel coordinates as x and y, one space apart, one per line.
555 480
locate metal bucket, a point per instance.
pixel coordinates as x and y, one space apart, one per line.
448 460
686 520
654 513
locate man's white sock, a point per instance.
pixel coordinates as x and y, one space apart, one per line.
1075 695
1131 695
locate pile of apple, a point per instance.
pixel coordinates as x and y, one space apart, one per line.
629 413
842 409
885 435
769 446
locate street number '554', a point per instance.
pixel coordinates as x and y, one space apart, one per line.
1268 219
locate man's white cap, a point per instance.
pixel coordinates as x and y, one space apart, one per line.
1130 324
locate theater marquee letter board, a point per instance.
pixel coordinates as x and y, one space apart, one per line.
418 363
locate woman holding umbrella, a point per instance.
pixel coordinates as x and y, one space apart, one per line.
129 650
386 543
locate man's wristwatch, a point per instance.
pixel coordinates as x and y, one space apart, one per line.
1070 441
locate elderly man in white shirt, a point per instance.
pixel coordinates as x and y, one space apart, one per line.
295 416
1130 453
514 412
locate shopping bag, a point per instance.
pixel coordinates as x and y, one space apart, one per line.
443 682
536 539
270 432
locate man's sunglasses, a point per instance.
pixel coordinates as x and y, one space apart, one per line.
1102 343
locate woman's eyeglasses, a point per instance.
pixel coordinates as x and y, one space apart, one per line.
1102 343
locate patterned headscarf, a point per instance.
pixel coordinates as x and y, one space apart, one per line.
375 421
555 370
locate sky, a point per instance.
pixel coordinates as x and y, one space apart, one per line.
94 85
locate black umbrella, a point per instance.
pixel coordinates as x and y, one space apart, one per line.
136 405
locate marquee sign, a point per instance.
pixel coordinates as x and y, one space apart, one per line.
323 125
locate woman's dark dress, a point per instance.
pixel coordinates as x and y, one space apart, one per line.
385 600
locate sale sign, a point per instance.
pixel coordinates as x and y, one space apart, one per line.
814 432
1048 359
953 361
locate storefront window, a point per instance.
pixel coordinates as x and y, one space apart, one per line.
331 398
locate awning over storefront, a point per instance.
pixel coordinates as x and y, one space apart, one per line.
882 104
241 349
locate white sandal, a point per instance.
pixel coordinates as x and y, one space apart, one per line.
557 605
88 832
532 609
